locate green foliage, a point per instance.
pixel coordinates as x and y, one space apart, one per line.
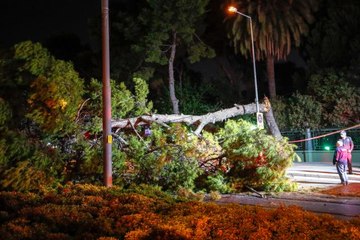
158 36
180 172
90 165
257 159
55 99
54 107
304 112
166 26
169 164
124 103
55 91
36 59
147 167
14 149
277 26
218 183
334 41
3 157
297 112
25 177
338 98
122 100
144 73
196 100
5 113
60 139
151 191
200 50
143 106
118 165
332 102
48 93
26 164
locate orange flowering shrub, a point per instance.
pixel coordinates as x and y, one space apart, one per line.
90 212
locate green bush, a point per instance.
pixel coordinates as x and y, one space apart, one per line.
339 99
124 103
304 112
218 183
5 113
194 98
27 165
164 163
331 102
59 136
256 158
55 90
180 172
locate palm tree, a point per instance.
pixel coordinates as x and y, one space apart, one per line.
278 26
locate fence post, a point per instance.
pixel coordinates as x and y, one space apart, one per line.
308 147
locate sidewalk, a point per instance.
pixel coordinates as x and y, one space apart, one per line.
312 178
310 175
340 207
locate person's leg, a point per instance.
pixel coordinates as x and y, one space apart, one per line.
345 176
340 167
349 163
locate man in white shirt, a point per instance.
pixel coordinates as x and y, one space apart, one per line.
349 145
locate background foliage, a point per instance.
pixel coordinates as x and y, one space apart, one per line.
61 141
50 115
331 100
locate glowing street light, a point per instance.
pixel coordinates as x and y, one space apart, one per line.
234 10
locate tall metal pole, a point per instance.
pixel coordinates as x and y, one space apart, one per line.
254 67
253 56
106 95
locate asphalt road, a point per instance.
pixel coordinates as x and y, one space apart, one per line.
312 178
340 207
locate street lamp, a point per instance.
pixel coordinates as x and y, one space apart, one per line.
234 10
106 94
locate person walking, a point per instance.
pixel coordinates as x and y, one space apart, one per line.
349 146
341 160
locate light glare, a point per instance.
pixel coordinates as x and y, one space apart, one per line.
232 9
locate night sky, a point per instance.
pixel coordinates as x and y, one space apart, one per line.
37 20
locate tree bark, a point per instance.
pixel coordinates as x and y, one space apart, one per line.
270 69
174 100
273 127
203 120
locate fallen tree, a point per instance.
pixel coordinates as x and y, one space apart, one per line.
203 120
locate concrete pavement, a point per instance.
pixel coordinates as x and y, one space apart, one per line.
339 207
310 175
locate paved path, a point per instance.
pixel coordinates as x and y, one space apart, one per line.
341 207
311 177
318 175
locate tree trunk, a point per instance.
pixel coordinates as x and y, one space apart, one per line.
203 120
174 100
270 68
273 127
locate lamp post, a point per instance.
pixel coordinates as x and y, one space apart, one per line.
106 94
234 10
